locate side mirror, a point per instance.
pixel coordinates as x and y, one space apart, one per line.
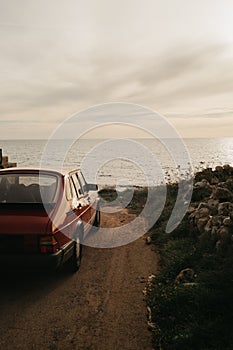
92 187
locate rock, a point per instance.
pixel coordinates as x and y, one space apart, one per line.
190 284
203 212
185 275
202 184
208 226
148 240
216 221
213 206
201 222
200 193
200 217
219 169
214 180
213 225
222 194
151 278
222 184
223 231
225 208
202 205
214 230
229 184
227 221
150 323
227 167
191 210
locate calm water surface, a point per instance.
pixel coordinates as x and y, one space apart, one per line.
203 152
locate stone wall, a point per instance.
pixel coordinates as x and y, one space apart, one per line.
212 210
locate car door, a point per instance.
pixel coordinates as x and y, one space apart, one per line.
68 206
93 198
83 205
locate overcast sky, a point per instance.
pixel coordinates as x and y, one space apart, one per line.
173 56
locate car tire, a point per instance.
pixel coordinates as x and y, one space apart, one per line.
97 218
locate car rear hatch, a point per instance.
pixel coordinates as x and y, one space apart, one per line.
24 227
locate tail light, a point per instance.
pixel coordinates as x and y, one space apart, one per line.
48 244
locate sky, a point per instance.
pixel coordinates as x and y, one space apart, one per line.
172 56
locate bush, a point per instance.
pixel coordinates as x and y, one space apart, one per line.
197 315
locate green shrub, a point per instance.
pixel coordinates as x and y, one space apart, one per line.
197 315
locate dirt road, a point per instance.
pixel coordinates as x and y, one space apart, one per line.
101 307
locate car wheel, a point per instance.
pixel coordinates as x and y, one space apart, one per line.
77 256
97 218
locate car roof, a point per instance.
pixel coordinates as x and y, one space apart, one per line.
35 170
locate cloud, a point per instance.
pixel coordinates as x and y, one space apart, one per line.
184 73
56 62
187 73
215 114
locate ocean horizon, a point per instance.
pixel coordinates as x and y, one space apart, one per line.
203 152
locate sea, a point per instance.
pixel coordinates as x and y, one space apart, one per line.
123 163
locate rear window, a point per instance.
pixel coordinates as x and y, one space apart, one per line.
27 188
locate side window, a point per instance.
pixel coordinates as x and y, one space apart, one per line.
82 182
68 190
76 185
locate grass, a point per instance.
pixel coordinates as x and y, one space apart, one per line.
197 315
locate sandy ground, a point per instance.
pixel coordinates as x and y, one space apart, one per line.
101 307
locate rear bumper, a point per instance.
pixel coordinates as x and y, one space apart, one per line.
32 261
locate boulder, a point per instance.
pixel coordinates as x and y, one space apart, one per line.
214 180
222 184
227 167
227 221
191 210
213 206
219 169
214 230
202 184
200 193
216 220
203 212
201 223
223 231
200 217
185 275
225 208
229 184
208 226
202 205
222 194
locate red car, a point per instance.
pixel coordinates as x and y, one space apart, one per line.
44 217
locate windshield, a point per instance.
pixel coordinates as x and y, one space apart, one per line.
27 188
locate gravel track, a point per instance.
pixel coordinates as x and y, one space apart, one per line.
101 307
